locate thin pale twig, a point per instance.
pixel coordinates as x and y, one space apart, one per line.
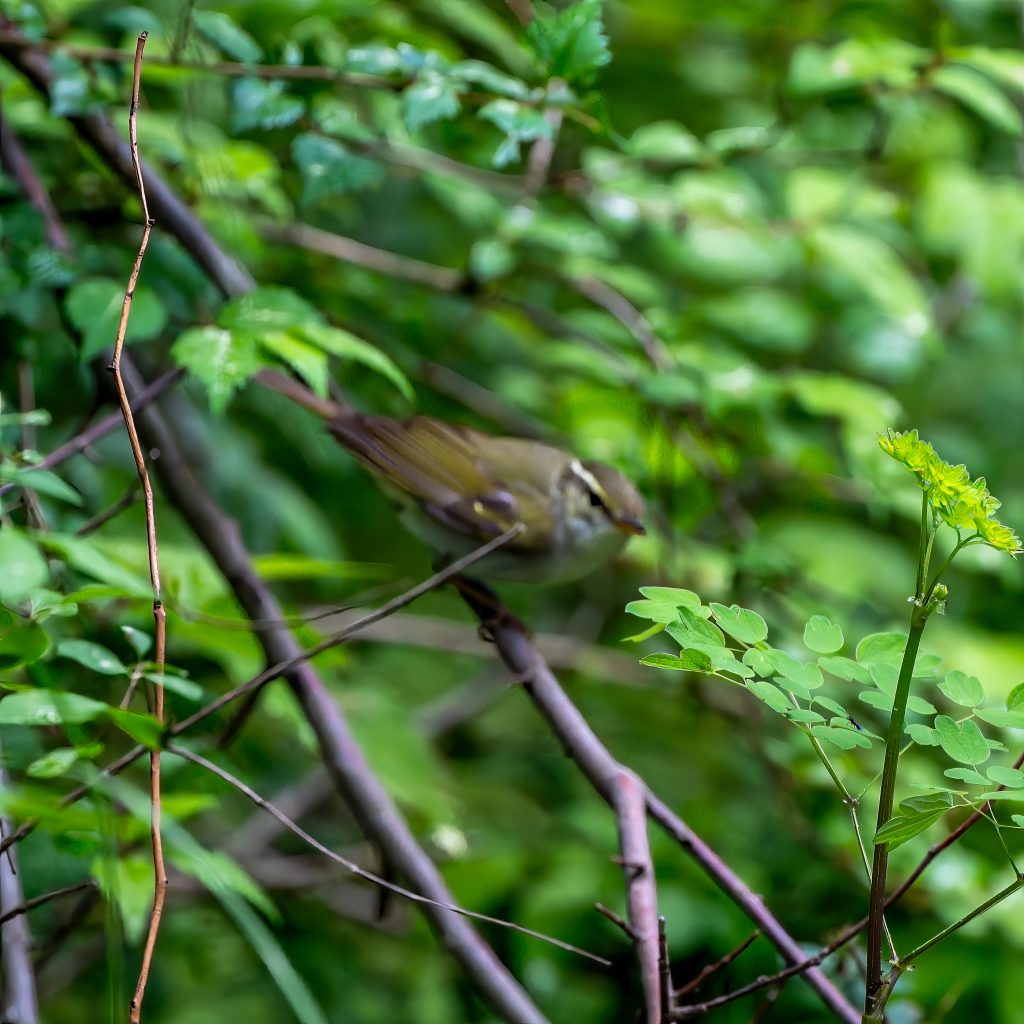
153 551
370 876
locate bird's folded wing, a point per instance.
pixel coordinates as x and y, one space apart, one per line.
438 465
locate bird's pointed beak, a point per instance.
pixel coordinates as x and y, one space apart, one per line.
631 527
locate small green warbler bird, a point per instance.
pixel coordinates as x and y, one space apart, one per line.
457 488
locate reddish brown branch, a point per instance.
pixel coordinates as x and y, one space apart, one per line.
629 801
598 765
14 158
152 547
707 972
38 901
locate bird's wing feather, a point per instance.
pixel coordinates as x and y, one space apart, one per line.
438 465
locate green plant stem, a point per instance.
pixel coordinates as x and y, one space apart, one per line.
906 961
880 864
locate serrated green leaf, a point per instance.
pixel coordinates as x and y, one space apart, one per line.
740 623
49 707
823 635
434 96
221 360
329 167
93 656
571 43
962 689
962 741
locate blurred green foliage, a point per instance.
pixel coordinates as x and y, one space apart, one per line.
767 233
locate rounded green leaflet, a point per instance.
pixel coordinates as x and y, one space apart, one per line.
886 648
822 635
962 741
740 623
962 689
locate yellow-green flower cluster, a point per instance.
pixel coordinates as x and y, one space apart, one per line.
963 503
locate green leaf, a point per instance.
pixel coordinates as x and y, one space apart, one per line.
571 43
127 881
844 739
637 638
21 642
176 684
913 817
845 668
979 95
707 658
654 611
232 41
1012 778
94 307
882 648
144 729
962 741
22 567
338 342
692 629
140 642
806 675
329 167
770 695
676 597
740 623
221 360
53 764
968 775
432 97
823 635
93 558
1003 719
923 735
1015 697
962 689
49 707
263 105
308 361
669 661
519 122
93 656
41 481
268 309
805 717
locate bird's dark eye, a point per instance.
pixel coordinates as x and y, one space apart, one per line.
596 500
